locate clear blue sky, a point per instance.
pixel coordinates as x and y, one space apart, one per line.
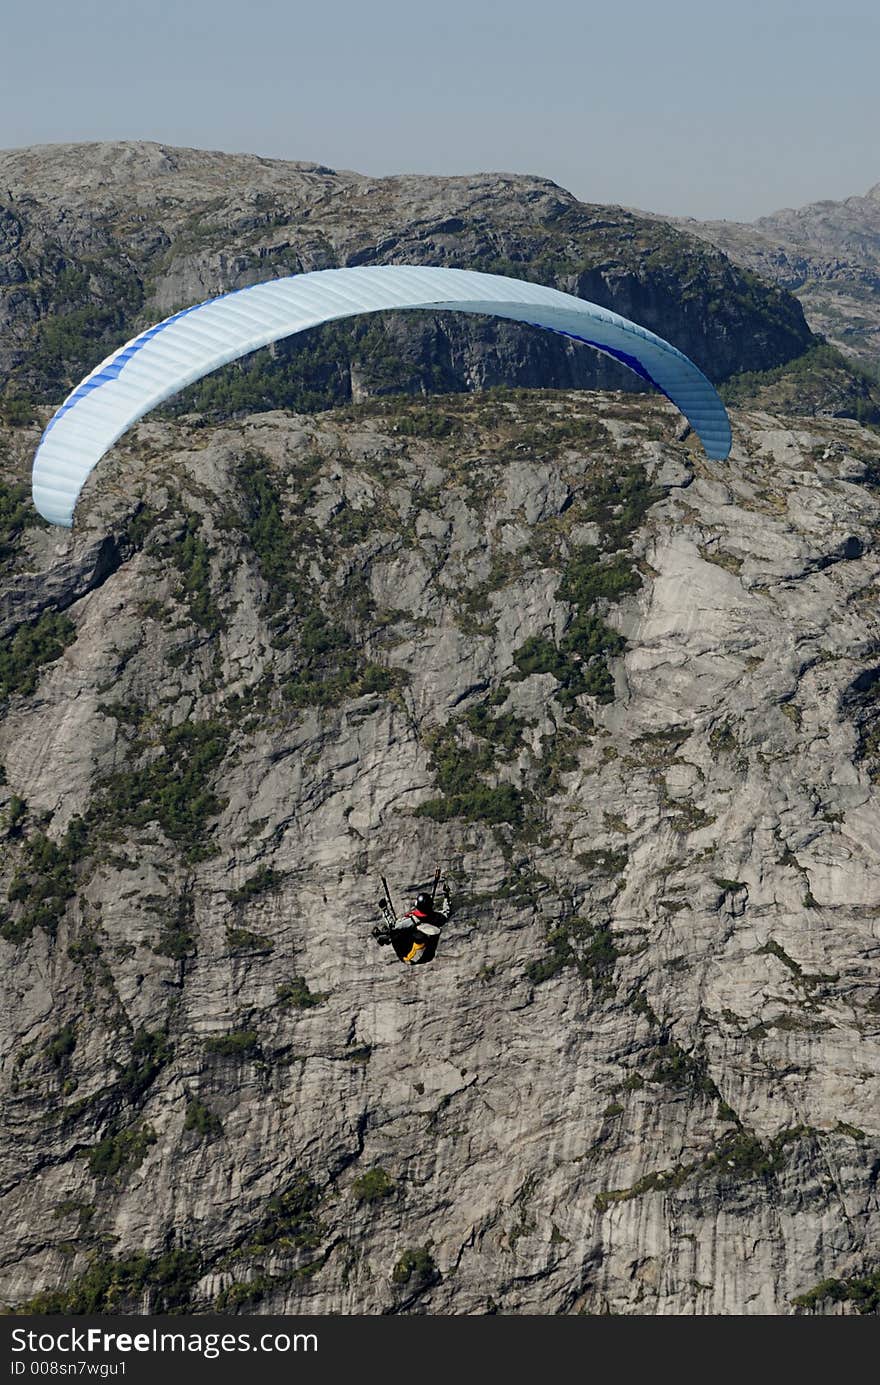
688 106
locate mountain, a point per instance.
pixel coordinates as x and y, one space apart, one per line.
827 254
626 697
98 241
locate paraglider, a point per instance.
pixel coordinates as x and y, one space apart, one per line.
183 348
415 935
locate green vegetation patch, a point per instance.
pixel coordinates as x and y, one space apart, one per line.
17 410
295 995
150 1053
189 553
329 660
312 374
331 666
91 309
590 948
373 1186
739 1156
862 1290
61 1046
138 527
290 1219
462 753
173 788
604 863
16 812
537 654
44 882
177 938
240 1043
33 645
272 538
683 1071
125 1284
587 579
425 421
120 1152
202 1120
818 381
264 880
558 756
663 1180
618 502
416 1263
579 662
17 513
502 731
501 804
243 940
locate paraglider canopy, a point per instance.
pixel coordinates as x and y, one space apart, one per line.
162 360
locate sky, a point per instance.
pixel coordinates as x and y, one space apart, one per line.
690 107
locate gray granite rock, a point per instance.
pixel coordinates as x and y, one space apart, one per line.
641 1076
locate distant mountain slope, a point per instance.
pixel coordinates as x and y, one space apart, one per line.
827 253
98 240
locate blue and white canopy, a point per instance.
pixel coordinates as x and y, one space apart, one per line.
183 348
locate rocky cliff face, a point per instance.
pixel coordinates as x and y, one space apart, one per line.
827 254
98 241
627 697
